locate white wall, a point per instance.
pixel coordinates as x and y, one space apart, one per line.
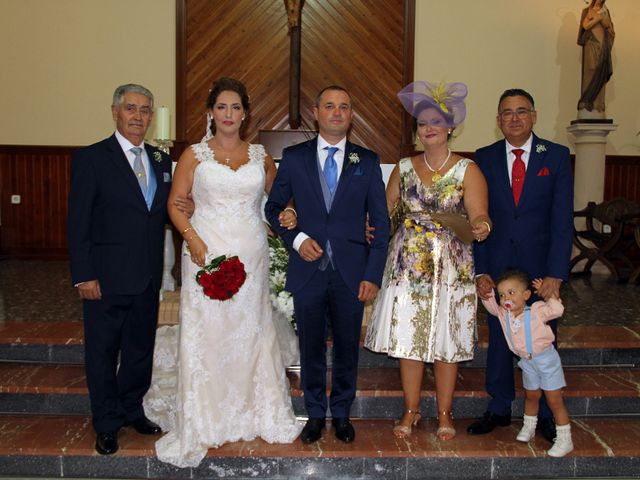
492 45
61 59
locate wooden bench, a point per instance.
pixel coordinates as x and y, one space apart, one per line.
610 231
633 221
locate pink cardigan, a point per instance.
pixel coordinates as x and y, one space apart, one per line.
541 333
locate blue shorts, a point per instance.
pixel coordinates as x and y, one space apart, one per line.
543 371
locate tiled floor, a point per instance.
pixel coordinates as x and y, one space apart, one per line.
36 290
595 300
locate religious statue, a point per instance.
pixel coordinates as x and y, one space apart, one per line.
596 36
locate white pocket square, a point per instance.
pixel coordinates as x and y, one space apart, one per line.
167 177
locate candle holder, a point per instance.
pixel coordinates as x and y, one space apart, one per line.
163 129
164 145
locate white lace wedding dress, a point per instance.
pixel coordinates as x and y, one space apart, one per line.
231 382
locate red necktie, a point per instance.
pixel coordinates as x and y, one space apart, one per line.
517 174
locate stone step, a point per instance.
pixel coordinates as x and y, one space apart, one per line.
57 342
62 342
590 391
62 446
61 389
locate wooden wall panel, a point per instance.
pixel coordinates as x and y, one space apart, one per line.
37 228
40 175
622 178
358 44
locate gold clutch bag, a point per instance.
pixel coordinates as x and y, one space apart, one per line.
455 222
395 218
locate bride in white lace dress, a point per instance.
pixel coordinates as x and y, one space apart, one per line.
231 382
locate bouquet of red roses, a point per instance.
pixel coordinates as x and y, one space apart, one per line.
222 277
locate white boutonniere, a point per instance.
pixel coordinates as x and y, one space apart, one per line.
541 148
157 156
354 158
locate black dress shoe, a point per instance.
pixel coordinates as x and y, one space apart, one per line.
488 422
547 427
145 426
344 429
312 430
107 443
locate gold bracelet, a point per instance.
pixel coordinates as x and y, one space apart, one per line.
292 210
488 226
187 229
191 237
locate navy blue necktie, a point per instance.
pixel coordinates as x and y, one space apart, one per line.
330 170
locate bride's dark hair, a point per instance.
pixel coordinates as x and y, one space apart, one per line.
224 84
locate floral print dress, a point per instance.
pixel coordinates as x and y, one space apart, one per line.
426 308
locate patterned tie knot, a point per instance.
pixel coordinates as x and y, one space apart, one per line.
138 169
518 153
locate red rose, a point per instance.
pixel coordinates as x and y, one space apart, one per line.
222 278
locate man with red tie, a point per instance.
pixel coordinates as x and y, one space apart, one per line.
531 206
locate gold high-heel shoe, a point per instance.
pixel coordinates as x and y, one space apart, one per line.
445 433
401 431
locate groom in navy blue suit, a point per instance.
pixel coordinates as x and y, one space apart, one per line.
532 215
117 214
332 270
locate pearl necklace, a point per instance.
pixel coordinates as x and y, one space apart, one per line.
436 173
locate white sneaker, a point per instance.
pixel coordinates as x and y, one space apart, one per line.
528 429
563 443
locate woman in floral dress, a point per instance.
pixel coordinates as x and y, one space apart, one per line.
426 308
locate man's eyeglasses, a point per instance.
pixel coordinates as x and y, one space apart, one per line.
519 112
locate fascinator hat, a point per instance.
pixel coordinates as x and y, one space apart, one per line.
447 98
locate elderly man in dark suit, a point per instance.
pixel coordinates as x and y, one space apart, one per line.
531 206
117 214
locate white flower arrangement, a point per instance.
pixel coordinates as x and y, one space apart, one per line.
281 300
541 148
157 156
354 158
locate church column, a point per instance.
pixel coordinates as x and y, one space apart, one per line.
590 141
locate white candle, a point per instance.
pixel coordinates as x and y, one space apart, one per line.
163 124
